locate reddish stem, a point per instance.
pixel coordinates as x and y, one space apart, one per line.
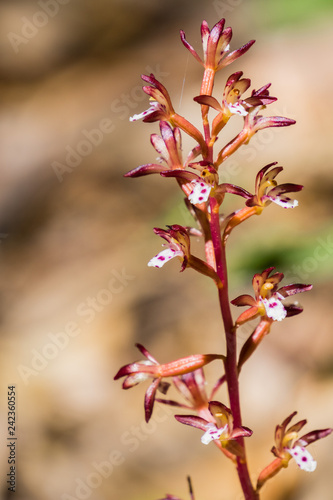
231 370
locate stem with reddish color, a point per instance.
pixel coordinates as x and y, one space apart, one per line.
231 370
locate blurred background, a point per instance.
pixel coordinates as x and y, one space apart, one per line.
75 236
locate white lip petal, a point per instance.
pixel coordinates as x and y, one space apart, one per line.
200 192
303 458
274 309
237 109
142 115
161 258
285 203
211 433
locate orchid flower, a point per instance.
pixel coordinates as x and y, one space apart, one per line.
288 445
253 122
160 105
178 243
268 298
219 428
267 189
168 145
161 108
140 371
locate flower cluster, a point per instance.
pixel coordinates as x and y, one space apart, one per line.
197 176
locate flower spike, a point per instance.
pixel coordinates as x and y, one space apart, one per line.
215 44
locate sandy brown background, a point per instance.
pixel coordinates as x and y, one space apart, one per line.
65 239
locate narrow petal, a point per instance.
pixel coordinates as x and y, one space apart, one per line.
200 192
313 436
303 458
189 47
193 421
149 168
235 54
241 432
272 121
288 290
150 398
161 258
146 353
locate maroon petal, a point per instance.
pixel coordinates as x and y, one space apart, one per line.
244 300
285 188
189 47
150 398
271 121
313 436
193 421
287 421
146 353
235 54
288 290
180 174
208 100
171 402
293 310
233 189
297 427
149 168
241 432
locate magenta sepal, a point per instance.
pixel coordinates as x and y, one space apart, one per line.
149 168
193 421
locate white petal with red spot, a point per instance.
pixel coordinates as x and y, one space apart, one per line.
285 202
153 106
145 113
303 458
211 433
200 192
274 309
237 109
160 259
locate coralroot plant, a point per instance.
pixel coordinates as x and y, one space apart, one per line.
198 178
